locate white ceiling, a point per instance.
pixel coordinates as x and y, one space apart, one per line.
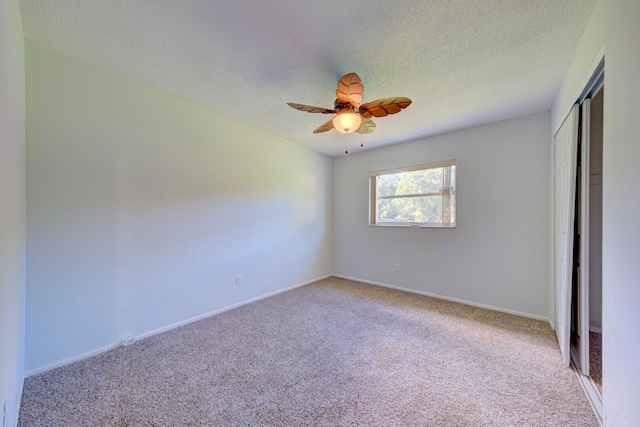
462 62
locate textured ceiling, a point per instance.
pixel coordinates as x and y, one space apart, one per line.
462 62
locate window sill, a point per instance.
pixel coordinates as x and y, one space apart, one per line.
412 225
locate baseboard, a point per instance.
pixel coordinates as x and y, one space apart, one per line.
72 359
591 391
131 340
442 297
595 329
16 409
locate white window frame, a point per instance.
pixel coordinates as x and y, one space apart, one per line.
446 191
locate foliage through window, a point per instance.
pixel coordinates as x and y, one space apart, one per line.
422 195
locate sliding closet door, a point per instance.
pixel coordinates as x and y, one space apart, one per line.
565 146
583 269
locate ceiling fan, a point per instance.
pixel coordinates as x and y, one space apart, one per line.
350 115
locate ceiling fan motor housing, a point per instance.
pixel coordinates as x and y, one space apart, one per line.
339 106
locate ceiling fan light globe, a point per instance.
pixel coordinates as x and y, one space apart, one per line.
347 121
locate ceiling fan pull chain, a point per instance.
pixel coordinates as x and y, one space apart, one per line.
361 140
346 143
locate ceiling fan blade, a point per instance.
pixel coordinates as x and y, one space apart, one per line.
324 127
384 107
310 109
350 90
367 126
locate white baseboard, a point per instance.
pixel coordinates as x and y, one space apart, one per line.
460 301
595 329
72 359
131 340
16 409
591 391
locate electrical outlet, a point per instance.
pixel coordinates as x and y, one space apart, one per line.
239 280
396 268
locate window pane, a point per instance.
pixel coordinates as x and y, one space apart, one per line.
416 182
411 209
421 194
387 184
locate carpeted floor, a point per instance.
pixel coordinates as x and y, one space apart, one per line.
595 359
333 353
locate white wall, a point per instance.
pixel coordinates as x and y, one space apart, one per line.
142 208
614 28
12 217
497 255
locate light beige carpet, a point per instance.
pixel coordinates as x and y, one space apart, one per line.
333 353
595 359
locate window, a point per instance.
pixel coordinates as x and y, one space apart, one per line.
419 196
